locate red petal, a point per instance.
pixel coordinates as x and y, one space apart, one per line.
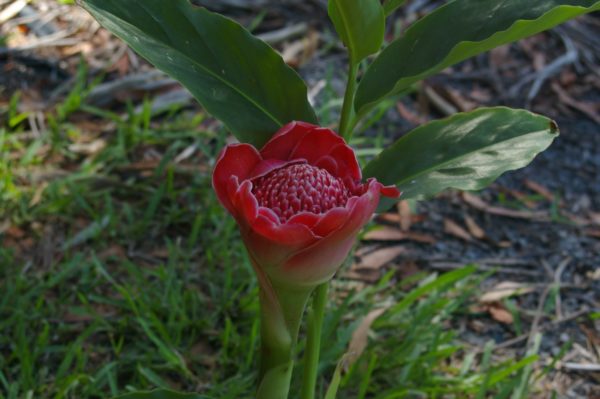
387 191
235 160
245 204
269 214
282 234
232 187
318 262
347 162
268 165
308 219
321 143
283 142
390 191
316 144
270 243
329 164
331 221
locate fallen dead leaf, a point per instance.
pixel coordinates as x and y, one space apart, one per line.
499 55
500 314
392 234
301 51
367 276
91 148
362 250
15 232
474 228
577 220
585 108
395 218
122 65
567 77
38 194
379 258
12 10
384 234
595 275
162 253
405 215
595 233
360 336
480 95
539 61
483 206
409 115
390 217
454 229
539 189
521 197
438 101
458 99
592 334
478 326
505 289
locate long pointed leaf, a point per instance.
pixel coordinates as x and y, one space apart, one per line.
238 78
456 31
466 151
360 24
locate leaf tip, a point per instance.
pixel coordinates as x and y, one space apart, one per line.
553 127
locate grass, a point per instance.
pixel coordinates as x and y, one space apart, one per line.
120 271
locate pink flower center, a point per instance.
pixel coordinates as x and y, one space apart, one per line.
300 188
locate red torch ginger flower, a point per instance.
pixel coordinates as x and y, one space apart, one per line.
299 201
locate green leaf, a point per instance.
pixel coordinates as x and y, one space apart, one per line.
389 6
466 151
160 394
334 385
454 32
360 24
236 77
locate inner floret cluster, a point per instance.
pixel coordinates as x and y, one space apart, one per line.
297 188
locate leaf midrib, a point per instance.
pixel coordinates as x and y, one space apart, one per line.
426 171
347 30
428 72
201 66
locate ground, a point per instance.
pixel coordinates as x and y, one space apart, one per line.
119 270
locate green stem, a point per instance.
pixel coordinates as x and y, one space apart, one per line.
348 107
281 311
313 342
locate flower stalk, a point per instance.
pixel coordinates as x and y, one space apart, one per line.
281 310
313 341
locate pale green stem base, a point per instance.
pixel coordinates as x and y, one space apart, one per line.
280 315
